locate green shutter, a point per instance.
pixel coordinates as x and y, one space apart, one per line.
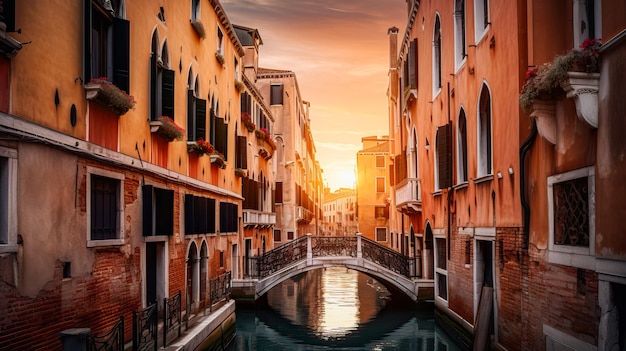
201 119
167 93
154 73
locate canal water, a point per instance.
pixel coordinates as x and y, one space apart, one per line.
336 309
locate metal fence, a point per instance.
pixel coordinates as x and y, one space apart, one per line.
113 340
220 287
145 328
172 318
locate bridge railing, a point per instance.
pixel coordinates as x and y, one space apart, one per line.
332 246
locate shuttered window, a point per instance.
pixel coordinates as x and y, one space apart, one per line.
241 160
229 221
196 117
199 215
104 207
444 157
278 196
276 94
221 137
158 211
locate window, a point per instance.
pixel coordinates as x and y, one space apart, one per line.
381 234
241 150
199 215
276 94
441 273
481 18
381 212
290 235
436 57
484 132
278 198
571 217
380 161
461 148
8 14
105 207
221 259
443 157
106 42
587 20
8 200
459 32
380 184
410 66
195 10
196 112
158 211
220 41
277 235
229 218
161 81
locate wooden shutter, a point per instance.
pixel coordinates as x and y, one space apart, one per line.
200 119
242 152
189 214
167 93
221 137
154 74
412 67
201 217
8 11
279 193
210 215
147 197
86 41
191 123
444 156
164 211
121 54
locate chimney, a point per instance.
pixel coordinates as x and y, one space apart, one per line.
393 47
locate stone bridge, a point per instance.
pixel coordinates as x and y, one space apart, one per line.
395 271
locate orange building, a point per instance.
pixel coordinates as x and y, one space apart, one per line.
484 199
120 159
372 192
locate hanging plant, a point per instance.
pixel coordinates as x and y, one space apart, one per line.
169 129
107 94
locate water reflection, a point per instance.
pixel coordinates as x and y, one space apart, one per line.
336 309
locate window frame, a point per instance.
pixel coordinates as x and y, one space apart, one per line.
120 210
482 19
440 273
460 35
436 57
484 140
581 257
376 233
384 185
380 157
276 94
9 179
580 14
461 148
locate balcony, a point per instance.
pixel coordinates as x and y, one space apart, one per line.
303 215
255 218
409 196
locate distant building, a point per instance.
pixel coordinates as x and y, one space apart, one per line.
339 209
298 174
373 189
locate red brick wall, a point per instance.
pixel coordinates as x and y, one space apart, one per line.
460 278
508 267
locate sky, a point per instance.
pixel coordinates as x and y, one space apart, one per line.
339 51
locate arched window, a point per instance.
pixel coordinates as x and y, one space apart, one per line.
461 148
196 110
484 153
437 56
459 32
161 81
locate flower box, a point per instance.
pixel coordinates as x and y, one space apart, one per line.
247 121
218 160
200 147
167 128
239 85
544 113
240 172
220 58
583 88
199 28
102 91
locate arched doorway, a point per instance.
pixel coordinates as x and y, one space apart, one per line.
193 272
204 259
429 254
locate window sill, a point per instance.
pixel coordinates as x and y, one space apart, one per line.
436 193
483 179
572 259
8 248
155 238
461 186
102 243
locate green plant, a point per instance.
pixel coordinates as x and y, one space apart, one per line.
201 147
169 129
544 82
112 96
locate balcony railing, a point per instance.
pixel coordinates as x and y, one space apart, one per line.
409 195
303 215
258 218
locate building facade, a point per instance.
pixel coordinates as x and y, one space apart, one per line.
128 173
373 190
339 208
503 202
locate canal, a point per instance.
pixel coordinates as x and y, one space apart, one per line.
336 309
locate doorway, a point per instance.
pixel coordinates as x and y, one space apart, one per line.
155 272
484 276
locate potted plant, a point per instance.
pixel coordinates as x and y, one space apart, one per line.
240 172
168 129
200 147
107 94
220 58
217 158
247 121
578 66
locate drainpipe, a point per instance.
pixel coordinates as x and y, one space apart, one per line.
523 151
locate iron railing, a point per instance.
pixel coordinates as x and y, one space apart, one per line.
113 340
220 287
172 318
332 246
145 328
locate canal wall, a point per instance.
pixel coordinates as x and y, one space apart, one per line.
216 328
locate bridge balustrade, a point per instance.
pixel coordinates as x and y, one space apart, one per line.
332 246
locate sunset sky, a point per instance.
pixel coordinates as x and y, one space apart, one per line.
339 52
